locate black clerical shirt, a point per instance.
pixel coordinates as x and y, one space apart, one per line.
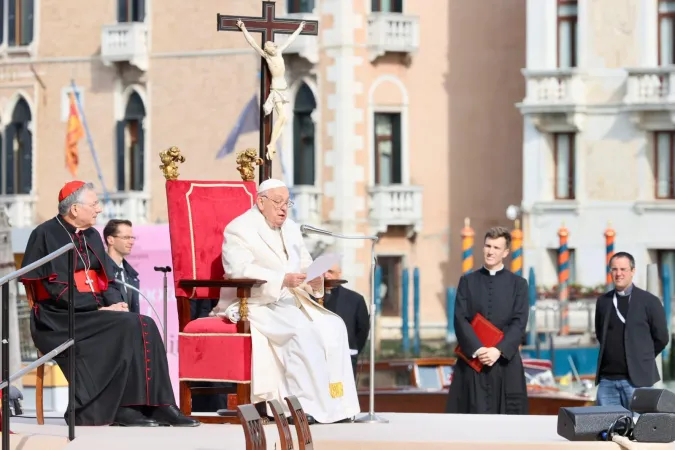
613 365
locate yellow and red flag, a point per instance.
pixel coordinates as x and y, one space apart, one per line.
75 132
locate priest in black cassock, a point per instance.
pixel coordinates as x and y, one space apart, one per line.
121 371
501 297
351 307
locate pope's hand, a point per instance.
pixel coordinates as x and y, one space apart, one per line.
117 307
293 280
316 283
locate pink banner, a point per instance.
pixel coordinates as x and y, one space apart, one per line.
153 249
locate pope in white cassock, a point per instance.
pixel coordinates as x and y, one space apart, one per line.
299 347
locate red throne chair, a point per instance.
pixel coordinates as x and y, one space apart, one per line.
211 349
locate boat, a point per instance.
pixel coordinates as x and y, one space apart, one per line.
420 385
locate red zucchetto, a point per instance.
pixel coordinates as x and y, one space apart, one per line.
69 188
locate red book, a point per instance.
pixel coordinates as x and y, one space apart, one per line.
488 334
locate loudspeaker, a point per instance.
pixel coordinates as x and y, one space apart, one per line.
655 427
588 423
651 400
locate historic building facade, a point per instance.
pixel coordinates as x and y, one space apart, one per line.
402 119
598 134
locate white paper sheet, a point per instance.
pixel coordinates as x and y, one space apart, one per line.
321 265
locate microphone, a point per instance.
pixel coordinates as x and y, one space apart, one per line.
309 229
163 269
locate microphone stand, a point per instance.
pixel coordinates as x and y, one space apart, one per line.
134 288
371 417
164 270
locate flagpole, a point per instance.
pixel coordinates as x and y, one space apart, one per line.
106 198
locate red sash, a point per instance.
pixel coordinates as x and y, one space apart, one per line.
81 281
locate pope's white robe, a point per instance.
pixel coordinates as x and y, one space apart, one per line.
299 347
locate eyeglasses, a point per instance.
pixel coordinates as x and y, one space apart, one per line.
279 203
91 205
126 238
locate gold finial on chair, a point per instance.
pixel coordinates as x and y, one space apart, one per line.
169 165
247 160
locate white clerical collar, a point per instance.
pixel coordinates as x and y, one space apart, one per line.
627 291
494 272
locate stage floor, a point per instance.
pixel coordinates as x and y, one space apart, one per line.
403 432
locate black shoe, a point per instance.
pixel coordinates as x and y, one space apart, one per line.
172 416
310 420
129 417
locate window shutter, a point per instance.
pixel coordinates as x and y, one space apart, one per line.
139 160
27 8
120 156
11 23
376 153
122 11
396 163
10 133
25 161
138 14
2 20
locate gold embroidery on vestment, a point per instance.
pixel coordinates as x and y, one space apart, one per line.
336 390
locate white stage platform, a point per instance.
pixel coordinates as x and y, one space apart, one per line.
403 432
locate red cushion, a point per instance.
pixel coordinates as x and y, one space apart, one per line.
211 325
210 349
198 213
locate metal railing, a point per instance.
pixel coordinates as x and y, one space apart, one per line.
69 344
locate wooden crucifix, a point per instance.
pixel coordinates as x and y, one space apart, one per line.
272 70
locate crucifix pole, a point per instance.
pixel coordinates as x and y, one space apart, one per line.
265 169
268 26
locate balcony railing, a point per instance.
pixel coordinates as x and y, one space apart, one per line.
20 209
395 205
552 88
650 87
126 41
306 204
133 206
392 32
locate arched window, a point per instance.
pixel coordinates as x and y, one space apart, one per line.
17 161
131 146
303 137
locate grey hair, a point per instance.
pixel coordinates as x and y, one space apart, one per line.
75 197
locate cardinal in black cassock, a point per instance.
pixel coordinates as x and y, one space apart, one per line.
501 297
121 371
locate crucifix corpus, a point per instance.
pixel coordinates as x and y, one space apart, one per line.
272 81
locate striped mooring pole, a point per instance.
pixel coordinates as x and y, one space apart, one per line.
609 247
467 247
563 280
517 249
